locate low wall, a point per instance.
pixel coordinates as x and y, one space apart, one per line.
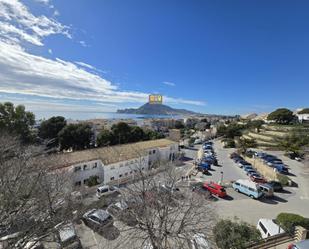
264 169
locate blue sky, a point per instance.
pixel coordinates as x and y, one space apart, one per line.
225 57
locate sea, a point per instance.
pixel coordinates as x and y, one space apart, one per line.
77 115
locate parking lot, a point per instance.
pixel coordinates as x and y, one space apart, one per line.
292 199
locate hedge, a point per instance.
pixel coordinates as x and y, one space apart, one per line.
288 221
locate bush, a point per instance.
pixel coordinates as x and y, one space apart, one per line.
229 143
235 235
92 181
288 221
284 180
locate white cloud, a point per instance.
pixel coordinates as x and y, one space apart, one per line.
31 75
56 13
83 43
18 25
168 83
46 2
83 64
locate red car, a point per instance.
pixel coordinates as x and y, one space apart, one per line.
215 189
257 178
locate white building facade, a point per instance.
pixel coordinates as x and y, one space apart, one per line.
303 118
117 164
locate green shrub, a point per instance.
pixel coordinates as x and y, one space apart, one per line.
235 235
229 143
288 221
283 179
92 181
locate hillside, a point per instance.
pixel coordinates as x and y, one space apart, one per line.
156 109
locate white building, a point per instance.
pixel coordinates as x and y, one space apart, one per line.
303 117
115 164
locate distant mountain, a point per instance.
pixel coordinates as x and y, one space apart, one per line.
156 109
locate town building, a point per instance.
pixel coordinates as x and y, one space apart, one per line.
303 115
115 164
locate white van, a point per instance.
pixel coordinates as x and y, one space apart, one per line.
268 228
106 190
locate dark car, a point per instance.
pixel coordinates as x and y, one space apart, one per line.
277 186
251 172
234 155
243 163
257 178
97 219
238 159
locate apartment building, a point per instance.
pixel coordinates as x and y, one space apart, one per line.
115 164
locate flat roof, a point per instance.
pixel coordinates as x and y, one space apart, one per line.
110 154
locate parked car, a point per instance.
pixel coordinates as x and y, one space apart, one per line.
244 163
248 187
274 161
300 245
234 155
203 167
215 189
117 208
67 236
97 219
247 168
277 186
260 154
281 168
268 227
238 159
251 172
267 190
199 241
106 190
257 178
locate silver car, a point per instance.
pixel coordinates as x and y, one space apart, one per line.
97 219
300 245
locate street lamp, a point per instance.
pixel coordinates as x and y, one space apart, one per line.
221 177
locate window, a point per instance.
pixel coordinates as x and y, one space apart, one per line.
154 151
251 189
120 176
149 152
85 181
143 168
78 183
131 172
95 165
112 178
263 227
126 174
237 184
112 167
78 168
85 167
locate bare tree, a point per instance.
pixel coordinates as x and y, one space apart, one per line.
164 214
33 199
